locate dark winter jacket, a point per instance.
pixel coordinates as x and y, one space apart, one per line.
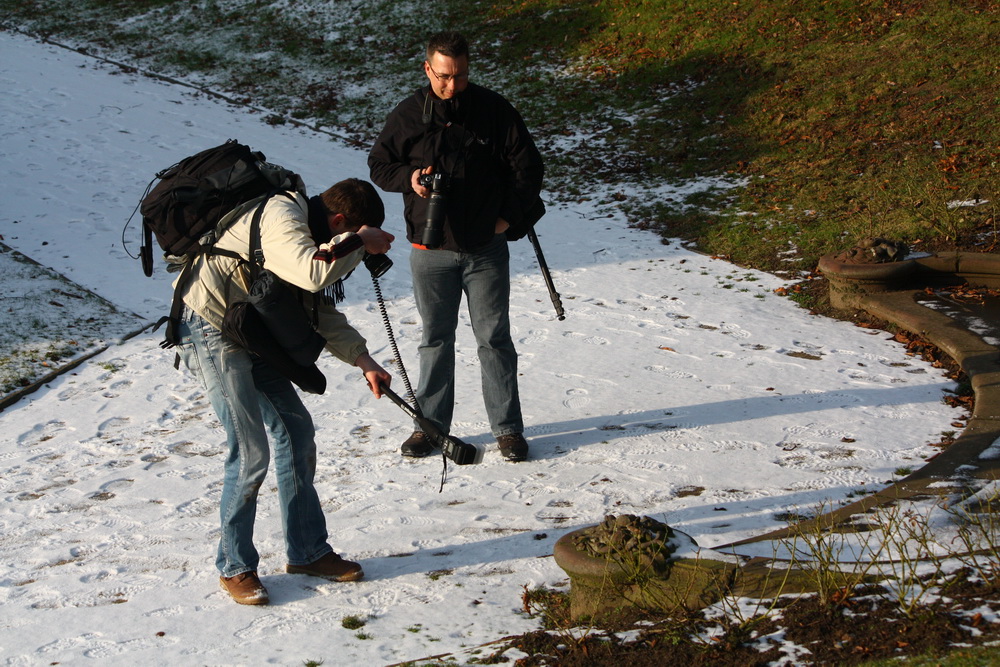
479 141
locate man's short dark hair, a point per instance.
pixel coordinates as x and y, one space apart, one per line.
448 43
357 201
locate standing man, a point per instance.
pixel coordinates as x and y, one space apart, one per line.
311 245
475 149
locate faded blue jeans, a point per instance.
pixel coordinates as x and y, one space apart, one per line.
252 400
440 277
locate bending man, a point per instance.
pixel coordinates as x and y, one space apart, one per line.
311 244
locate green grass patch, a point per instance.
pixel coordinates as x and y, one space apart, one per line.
848 119
352 622
979 656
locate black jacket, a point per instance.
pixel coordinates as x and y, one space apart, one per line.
479 141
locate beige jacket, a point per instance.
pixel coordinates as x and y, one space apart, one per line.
292 255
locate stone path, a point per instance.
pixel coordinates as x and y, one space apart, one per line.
969 332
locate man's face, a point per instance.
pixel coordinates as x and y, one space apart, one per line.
448 76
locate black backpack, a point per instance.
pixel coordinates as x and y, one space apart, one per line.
196 200
195 194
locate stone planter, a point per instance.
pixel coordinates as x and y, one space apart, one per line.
850 281
664 574
632 562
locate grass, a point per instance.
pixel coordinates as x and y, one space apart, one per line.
844 119
353 622
768 133
982 656
64 322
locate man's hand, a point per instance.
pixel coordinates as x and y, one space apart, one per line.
502 226
376 241
415 182
374 374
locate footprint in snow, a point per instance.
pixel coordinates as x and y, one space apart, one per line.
534 336
40 433
577 399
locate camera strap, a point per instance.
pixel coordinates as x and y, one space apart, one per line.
428 111
410 405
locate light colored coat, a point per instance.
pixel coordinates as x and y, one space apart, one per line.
289 253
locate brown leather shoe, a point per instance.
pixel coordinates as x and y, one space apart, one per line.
331 566
245 588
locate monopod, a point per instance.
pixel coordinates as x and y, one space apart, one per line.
553 294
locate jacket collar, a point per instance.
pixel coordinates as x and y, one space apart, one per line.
319 228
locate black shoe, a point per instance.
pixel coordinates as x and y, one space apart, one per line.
331 566
513 447
417 446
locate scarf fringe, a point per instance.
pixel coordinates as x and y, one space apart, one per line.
333 294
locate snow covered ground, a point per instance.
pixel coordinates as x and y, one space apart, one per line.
678 387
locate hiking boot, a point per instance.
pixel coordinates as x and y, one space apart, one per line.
513 447
331 566
417 446
245 588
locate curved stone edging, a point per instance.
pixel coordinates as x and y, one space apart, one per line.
958 470
975 268
849 282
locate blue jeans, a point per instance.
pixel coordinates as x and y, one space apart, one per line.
252 400
440 277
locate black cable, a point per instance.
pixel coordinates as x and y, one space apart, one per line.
392 343
402 369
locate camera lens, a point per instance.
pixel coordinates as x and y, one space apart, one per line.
433 235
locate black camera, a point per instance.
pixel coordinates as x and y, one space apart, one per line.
434 231
462 453
377 264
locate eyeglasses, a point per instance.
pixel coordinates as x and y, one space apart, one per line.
447 78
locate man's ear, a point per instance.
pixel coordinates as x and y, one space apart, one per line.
337 223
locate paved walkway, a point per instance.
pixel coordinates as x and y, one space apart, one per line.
969 332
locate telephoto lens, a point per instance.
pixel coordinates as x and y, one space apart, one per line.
433 235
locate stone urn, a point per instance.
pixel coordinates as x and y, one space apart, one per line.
640 563
874 265
629 561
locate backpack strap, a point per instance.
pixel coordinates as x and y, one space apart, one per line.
256 252
146 251
171 337
173 320
257 255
